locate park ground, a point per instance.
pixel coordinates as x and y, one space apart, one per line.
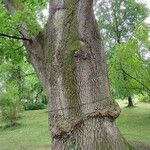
32 131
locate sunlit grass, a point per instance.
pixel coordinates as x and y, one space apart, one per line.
134 123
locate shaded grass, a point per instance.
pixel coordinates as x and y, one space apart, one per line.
32 131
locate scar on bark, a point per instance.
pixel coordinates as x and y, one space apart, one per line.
81 55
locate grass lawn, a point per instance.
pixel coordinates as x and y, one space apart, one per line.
134 123
32 133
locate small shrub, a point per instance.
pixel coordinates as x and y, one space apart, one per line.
30 105
10 105
144 98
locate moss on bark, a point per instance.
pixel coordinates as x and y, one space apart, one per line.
68 65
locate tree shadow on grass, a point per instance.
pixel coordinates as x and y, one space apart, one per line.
10 127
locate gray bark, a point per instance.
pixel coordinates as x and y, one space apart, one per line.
69 59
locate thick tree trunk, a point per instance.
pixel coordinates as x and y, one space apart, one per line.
72 68
130 102
68 57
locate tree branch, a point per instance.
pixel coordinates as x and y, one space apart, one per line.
14 37
12 7
135 79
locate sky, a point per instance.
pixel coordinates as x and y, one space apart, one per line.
147 2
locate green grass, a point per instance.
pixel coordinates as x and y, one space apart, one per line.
32 133
134 123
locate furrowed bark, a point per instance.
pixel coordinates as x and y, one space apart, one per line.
82 113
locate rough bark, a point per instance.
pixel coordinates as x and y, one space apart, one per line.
130 102
69 59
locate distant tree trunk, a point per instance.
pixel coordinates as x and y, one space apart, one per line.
68 57
130 102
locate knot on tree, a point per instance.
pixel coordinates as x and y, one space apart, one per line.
81 55
63 128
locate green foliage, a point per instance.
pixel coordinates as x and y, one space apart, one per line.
30 105
15 69
27 13
142 32
126 39
10 104
30 15
144 98
31 23
128 69
118 64
118 18
9 49
11 91
33 96
29 90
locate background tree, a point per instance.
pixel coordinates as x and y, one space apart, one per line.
15 71
12 54
11 74
128 66
23 77
33 95
118 20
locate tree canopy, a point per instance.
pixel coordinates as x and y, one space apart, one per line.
125 34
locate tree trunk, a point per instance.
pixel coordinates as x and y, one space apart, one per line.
130 102
68 57
72 68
